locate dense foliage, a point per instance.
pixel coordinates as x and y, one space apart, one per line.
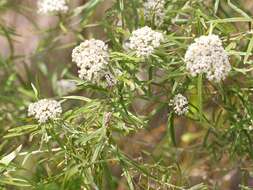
155 95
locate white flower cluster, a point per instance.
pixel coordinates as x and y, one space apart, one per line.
154 10
207 55
92 58
144 41
52 6
45 110
65 86
179 104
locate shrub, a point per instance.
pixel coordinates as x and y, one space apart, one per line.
155 95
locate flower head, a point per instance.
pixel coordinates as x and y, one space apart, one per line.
45 110
144 41
207 55
52 6
179 104
155 10
92 58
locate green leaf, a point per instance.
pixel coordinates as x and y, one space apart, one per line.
128 178
199 88
216 6
86 9
82 98
249 50
36 93
171 128
238 10
235 19
19 131
6 160
14 182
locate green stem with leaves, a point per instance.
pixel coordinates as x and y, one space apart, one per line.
200 100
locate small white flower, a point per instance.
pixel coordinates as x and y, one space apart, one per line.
52 6
144 41
250 126
92 58
155 10
179 104
207 56
65 86
45 110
